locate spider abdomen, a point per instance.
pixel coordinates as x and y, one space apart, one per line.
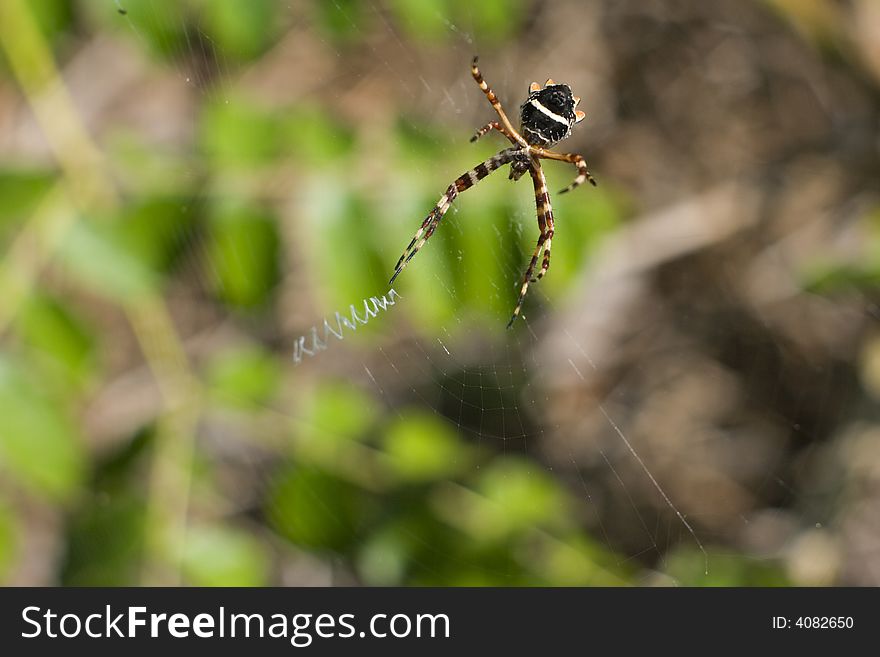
548 115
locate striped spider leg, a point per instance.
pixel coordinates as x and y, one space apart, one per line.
492 125
508 129
546 118
545 225
571 158
465 181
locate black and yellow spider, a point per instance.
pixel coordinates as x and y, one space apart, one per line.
546 117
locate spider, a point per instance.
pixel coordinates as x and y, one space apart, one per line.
546 117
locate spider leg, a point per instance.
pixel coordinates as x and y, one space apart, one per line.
583 174
463 182
571 158
527 277
543 207
545 225
496 104
493 125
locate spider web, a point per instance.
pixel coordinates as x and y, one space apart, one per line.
658 386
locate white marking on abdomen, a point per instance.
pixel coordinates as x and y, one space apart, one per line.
553 115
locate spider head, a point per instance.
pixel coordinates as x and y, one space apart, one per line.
549 114
519 166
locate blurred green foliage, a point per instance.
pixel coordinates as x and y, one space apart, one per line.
223 556
21 190
830 277
8 546
419 507
243 249
58 343
39 441
684 565
247 377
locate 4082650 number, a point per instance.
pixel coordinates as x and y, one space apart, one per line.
824 622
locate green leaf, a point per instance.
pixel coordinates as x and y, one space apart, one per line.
833 278
39 446
99 259
342 20
687 566
577 561
54 17
155 230
313 136
236 133
483 252
518 495
242 29
20 192
338 412
493 20
424 20
343 249
243 252
144 169
106 540
823 275
422 447
382 560
160 25
221 556
314 509
52 331
245 377
8 542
